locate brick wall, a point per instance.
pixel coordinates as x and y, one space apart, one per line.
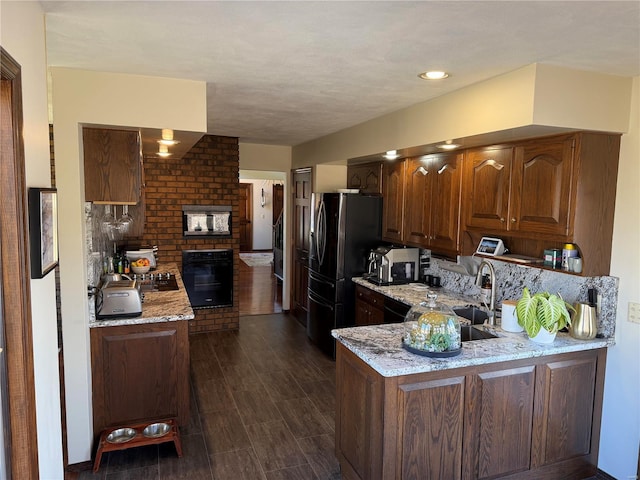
206 175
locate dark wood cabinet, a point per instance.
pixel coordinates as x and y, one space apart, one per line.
393 187
139 373
369 307
524 419
432 202
112 166
367 177
301 228
544 192
487 182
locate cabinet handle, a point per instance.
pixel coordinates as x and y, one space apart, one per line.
502 219
513 220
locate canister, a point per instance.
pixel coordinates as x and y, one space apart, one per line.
569 250
509 318
553 258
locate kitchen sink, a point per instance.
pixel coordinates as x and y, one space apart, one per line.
469 333
475 315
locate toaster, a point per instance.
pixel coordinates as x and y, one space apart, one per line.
120 298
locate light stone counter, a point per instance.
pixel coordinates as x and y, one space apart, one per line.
169 306
380 346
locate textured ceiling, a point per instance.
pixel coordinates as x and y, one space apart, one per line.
287 72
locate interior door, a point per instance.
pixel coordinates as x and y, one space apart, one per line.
301 227
245 214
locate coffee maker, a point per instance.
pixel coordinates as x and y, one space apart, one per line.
389 265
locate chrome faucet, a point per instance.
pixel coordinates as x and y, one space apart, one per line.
492 277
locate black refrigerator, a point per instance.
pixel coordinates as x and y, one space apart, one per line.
344 228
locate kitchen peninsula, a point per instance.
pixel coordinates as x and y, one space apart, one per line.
140 366
504 408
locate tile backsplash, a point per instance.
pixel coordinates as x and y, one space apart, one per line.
512 278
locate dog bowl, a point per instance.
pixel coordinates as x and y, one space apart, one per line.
156 430
121 435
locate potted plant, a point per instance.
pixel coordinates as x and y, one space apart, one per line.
542 315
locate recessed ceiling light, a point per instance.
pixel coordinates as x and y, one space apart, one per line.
448 145
433 75
167 137
163 151
391 155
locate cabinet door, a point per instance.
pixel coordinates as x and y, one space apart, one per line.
498 428
366 177
393 203
445 202
542 187
565 394
301 227
487 177
430 426
417 202
112 166
140 372
362 313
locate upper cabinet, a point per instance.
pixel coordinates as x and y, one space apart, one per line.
366 177
393 187
432 202
112 166
543 192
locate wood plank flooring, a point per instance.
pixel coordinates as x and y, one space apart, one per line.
259 290
263 407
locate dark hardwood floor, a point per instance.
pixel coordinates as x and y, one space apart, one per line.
259 290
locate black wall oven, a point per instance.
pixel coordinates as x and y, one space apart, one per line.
208 277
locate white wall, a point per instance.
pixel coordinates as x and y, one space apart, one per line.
124 100
262 215
620 437
22 36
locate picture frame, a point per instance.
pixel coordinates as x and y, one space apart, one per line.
43 230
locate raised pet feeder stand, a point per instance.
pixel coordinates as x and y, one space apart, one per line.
147 433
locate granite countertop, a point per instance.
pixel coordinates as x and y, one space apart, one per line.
168 306
380 346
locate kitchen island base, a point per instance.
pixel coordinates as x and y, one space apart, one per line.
523 419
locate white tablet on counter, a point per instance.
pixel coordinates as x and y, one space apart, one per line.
490 246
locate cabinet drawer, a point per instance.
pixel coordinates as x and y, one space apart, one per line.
369 296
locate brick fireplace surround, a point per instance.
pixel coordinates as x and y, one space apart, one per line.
206 175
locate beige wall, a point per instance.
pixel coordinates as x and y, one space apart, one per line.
105 99
254 156
620 437
22 36
530 97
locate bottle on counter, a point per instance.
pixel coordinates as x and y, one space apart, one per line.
569 250
126 266
485 290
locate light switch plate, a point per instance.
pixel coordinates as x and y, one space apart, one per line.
634 312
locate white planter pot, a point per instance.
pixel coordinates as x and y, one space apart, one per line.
544 337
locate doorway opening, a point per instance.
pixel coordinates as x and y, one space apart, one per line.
261 267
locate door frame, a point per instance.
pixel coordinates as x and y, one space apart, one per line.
15 278
248 187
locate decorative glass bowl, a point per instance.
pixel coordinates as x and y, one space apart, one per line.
432 329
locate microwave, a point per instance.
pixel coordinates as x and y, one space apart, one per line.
206 220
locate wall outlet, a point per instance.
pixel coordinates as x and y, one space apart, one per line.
634 312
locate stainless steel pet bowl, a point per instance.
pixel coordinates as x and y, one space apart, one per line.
121 435
156 430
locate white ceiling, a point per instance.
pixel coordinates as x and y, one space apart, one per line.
287 72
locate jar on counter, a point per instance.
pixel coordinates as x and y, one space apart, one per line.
432 329
569 250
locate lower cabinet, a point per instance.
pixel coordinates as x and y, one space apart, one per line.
524 419
140 372
369 307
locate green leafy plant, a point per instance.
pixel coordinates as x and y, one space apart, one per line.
542 310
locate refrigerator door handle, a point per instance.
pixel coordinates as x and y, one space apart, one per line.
316 299
315 278
321 229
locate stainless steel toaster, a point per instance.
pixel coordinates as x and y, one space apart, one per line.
119 298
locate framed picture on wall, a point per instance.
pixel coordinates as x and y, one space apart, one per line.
43 230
